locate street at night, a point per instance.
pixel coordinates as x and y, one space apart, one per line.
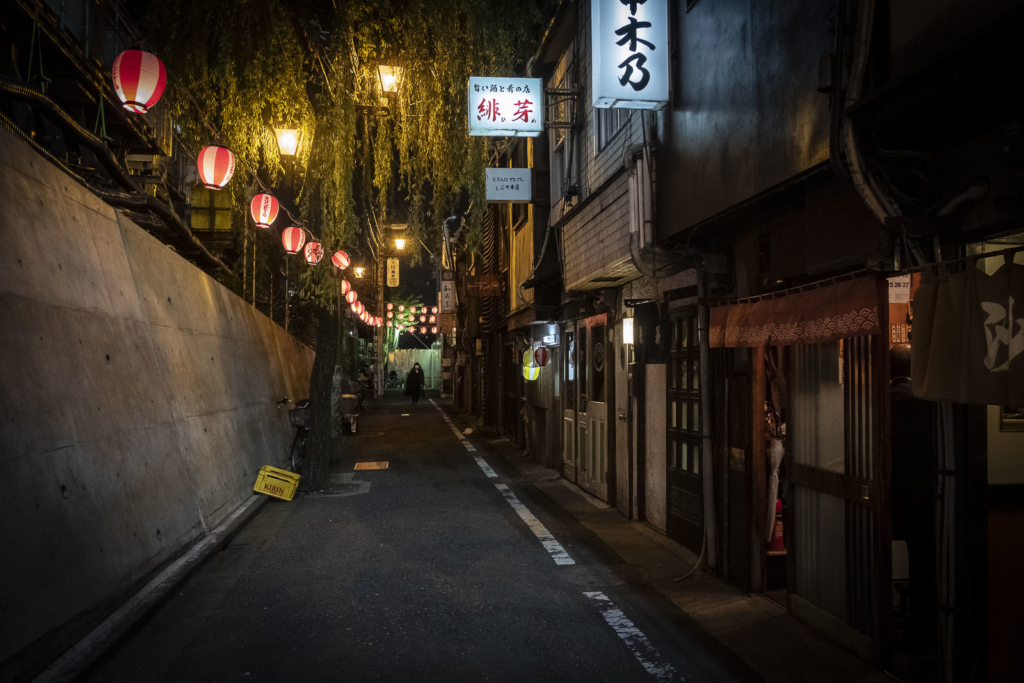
543 340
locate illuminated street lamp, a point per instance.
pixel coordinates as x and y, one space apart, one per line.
287 141
399 243
359 271
390 77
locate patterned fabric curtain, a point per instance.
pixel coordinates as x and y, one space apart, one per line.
968 336
847 308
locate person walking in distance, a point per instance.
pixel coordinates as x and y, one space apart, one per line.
414 383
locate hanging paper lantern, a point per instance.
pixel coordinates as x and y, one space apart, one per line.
292 239
345 287
433 309
139 80
391 307
264 210
433 330
433 318
423 330
391 314
423 318
351 296
424 310
359 307
541 356
389 323
216 166
340 260
364 316
401 308
531 371
314 251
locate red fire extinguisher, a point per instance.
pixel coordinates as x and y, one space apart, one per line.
777 544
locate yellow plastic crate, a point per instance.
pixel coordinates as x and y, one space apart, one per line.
276 482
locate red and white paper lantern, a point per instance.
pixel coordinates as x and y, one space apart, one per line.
433 309
264 208
216 165
345 287
433 330
292 239
542 356
359 307
313 252
389 323
340 260
139 80
423 330
351 296
391 307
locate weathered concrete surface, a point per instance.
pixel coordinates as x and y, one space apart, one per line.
137 405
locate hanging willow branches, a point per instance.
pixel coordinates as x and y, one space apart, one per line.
240 67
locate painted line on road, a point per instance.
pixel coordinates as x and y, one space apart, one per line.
462 438
634 638
484 466
558 553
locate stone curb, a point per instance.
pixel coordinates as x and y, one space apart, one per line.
82 654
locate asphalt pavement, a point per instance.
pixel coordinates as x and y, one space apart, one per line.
441 567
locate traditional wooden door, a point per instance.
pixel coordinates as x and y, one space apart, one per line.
594 451
570 377
685 505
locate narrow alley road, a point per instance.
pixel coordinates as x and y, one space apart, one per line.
439 568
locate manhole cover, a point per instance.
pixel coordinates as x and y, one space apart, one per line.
602 576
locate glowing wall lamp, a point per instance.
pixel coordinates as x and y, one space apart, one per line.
287 141
627 330
359 271
390 77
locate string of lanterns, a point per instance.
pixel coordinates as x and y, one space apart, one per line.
139 81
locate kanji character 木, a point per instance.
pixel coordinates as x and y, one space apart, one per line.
629 34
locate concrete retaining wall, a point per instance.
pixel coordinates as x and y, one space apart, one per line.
137 406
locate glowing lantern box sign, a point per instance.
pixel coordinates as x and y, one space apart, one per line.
264 210
531 371
292 239
506 106
139 80
314 251
216 165
630 53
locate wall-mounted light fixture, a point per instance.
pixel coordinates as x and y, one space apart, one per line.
390 77
627 330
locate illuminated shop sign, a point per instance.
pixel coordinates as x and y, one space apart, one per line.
630 53
506 106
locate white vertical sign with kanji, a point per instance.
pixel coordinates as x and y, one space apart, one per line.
392 272
447 291
631 56
506 106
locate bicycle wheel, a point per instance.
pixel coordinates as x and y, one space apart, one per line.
298 450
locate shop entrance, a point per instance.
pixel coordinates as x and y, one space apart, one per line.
685 505
585 418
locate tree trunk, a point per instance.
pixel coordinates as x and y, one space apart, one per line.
317 466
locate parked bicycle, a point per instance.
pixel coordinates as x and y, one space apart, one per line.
299 417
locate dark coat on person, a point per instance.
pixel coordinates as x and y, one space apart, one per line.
414 382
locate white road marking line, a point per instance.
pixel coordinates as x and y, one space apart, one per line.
455 430
484 466
558 553
634 638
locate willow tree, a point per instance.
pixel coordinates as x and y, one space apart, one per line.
239 67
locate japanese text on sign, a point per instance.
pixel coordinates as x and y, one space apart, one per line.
506 106
392 272
508 185
630 53
447 291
